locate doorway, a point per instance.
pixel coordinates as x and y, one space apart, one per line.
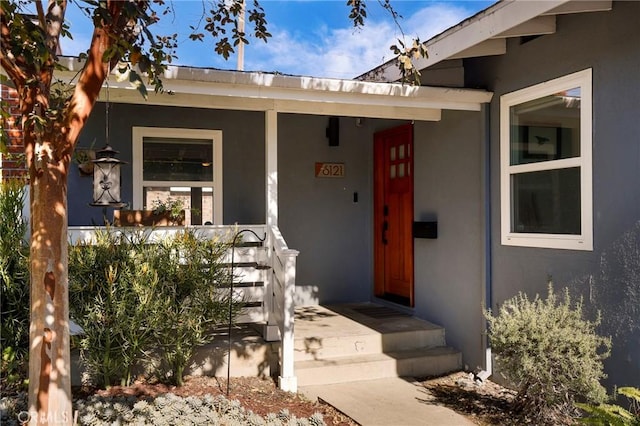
393 214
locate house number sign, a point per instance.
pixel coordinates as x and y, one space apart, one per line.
329 170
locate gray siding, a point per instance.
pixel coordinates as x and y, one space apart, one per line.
318 216
449 285
609 276
243 156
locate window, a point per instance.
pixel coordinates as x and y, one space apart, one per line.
183 164
545 164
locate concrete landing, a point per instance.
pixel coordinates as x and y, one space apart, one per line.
385 402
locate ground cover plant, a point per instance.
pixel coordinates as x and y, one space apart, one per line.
550 354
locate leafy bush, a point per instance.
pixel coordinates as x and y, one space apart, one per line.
136 301
190 272
613 414
111 291
14 285
550 353
167 409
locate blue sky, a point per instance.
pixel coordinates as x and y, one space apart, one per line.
311 38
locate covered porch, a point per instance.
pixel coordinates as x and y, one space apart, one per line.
289 112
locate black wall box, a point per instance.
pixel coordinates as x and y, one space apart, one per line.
425 229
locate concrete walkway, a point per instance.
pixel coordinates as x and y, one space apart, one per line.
385 402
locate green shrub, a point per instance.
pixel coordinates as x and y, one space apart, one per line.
14 285
111 292
550 353
190 273
138 301
613 414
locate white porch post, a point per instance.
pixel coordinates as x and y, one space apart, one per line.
271 158
271 332
287 381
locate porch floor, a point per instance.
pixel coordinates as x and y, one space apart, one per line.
335 342
353 319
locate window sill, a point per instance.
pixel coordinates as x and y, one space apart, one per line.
550 241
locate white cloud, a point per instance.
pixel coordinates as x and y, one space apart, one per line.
343 53
320 52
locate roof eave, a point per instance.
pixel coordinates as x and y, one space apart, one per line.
257 91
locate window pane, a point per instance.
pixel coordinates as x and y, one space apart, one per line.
167 159
546 128
198 202
546 202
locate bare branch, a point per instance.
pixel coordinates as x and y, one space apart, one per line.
54 21
41 19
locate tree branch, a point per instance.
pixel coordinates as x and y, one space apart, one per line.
6 59
41 18
93 74
54 20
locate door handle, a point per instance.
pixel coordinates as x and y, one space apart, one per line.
385 226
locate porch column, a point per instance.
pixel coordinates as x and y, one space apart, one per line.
271 331
271 168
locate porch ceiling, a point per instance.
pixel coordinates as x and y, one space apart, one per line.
256 91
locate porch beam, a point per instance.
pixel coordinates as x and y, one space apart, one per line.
199 95
364 111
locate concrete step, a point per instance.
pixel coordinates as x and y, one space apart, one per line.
367 341
358 329
414 362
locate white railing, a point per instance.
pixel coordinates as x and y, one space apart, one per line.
277 295
282 287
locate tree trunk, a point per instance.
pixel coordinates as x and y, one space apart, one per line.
49 358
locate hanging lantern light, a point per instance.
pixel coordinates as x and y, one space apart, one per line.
106 178
106 171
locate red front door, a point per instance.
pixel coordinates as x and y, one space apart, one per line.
393 216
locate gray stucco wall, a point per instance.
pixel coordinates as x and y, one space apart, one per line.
449 284
243 156
609 276
318 216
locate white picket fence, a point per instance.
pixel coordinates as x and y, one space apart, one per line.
265 271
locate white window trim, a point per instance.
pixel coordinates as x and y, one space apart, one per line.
584 241
139 133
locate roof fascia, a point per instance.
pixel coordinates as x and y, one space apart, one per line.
218 89
497 19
